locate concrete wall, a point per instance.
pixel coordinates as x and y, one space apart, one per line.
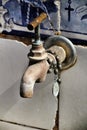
73 94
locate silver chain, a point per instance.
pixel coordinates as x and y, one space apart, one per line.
57 80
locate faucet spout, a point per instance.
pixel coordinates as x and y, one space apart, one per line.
34 73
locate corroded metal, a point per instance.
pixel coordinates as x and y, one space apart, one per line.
35 72
37 53
38 65
37 21
68 50
59 52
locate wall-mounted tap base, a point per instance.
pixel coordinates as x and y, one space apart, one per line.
37 52
68 54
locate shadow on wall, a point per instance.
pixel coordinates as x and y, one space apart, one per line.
81 124
8 98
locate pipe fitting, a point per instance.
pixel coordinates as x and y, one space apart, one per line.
67 51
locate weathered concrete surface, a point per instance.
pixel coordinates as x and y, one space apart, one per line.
39 111
73 95
9 126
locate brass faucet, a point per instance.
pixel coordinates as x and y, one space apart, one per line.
38 65
55 46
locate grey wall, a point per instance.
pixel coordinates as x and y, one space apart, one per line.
73 94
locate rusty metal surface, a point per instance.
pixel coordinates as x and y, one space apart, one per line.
37 21
34 73
67 45
59 51
37 53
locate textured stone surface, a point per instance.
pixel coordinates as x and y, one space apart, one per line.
73 95
9 126
39 111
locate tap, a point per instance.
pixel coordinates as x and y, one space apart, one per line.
38 65
34 73
43 59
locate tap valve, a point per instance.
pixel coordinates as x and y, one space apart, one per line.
37 21
65 56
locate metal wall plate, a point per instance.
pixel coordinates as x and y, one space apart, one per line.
63 42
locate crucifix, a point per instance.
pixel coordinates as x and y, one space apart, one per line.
69 9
